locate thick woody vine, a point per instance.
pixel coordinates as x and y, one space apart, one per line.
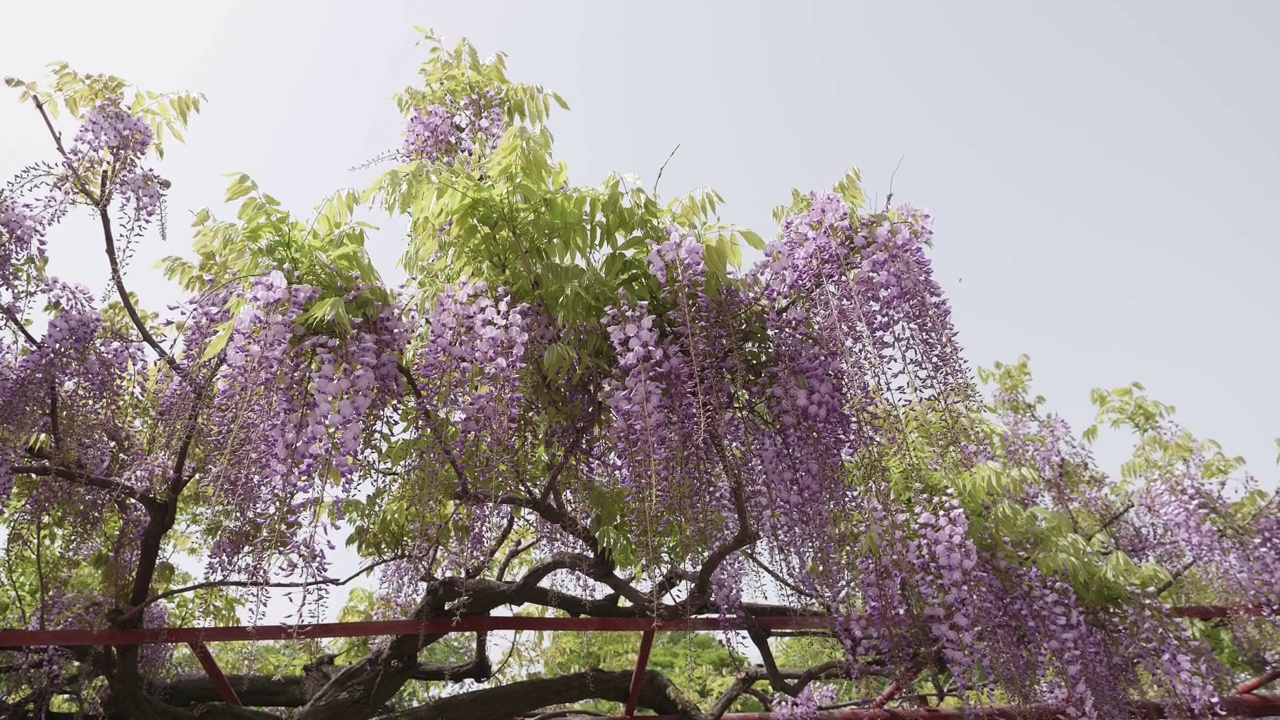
579 403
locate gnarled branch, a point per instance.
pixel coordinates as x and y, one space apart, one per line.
508 701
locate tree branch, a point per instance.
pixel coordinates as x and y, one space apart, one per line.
17 323
1110 520
295 690
433 423
747 678
210 584
80 477
475 570
118 279
745 535
657 693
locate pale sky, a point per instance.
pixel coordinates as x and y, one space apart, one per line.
1099 171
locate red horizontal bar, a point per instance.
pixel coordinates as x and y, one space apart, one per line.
468 623
1213 612
1251 706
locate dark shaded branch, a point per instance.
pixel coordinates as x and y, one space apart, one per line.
22 328
253 690
507 701
178 481
741 684
512 554
210 584
53 133
551 489
777 577
746 679
478 670
295 690
896 687
363 688
54 426
543 509
778 679
117 278
743 537
475 570
80 477
160 522
1111 520
1259 682
1173 577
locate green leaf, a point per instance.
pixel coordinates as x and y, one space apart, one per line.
242 186
557 359
753 240
329 313
218 342
850 188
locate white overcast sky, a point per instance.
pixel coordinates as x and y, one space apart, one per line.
1101 173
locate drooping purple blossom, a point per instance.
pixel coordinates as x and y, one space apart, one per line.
456 130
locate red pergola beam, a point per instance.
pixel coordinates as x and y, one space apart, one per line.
1250 706
468 623
1259 682
1214 612
637 675
220 682
311 631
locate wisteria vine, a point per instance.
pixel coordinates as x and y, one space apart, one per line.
686 439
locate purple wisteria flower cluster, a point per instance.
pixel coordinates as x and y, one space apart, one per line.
104 161
457 129
290 414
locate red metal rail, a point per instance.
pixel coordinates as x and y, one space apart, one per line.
1245 704
312 631
468 623
1250 706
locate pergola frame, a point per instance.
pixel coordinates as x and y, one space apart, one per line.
1246 702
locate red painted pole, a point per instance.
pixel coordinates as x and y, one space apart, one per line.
637 677
1259 682
1244 706
894 688
220 682
469 623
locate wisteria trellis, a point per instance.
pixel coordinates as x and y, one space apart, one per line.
576 387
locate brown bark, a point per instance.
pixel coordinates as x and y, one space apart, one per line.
296 690
507 701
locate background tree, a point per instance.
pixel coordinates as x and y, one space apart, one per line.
577 403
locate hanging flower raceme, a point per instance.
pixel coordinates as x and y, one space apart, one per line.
805 705
290 410
456 129
833 391
22 245
860 338
671 403
1182 518
470 371
104 162
91 376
